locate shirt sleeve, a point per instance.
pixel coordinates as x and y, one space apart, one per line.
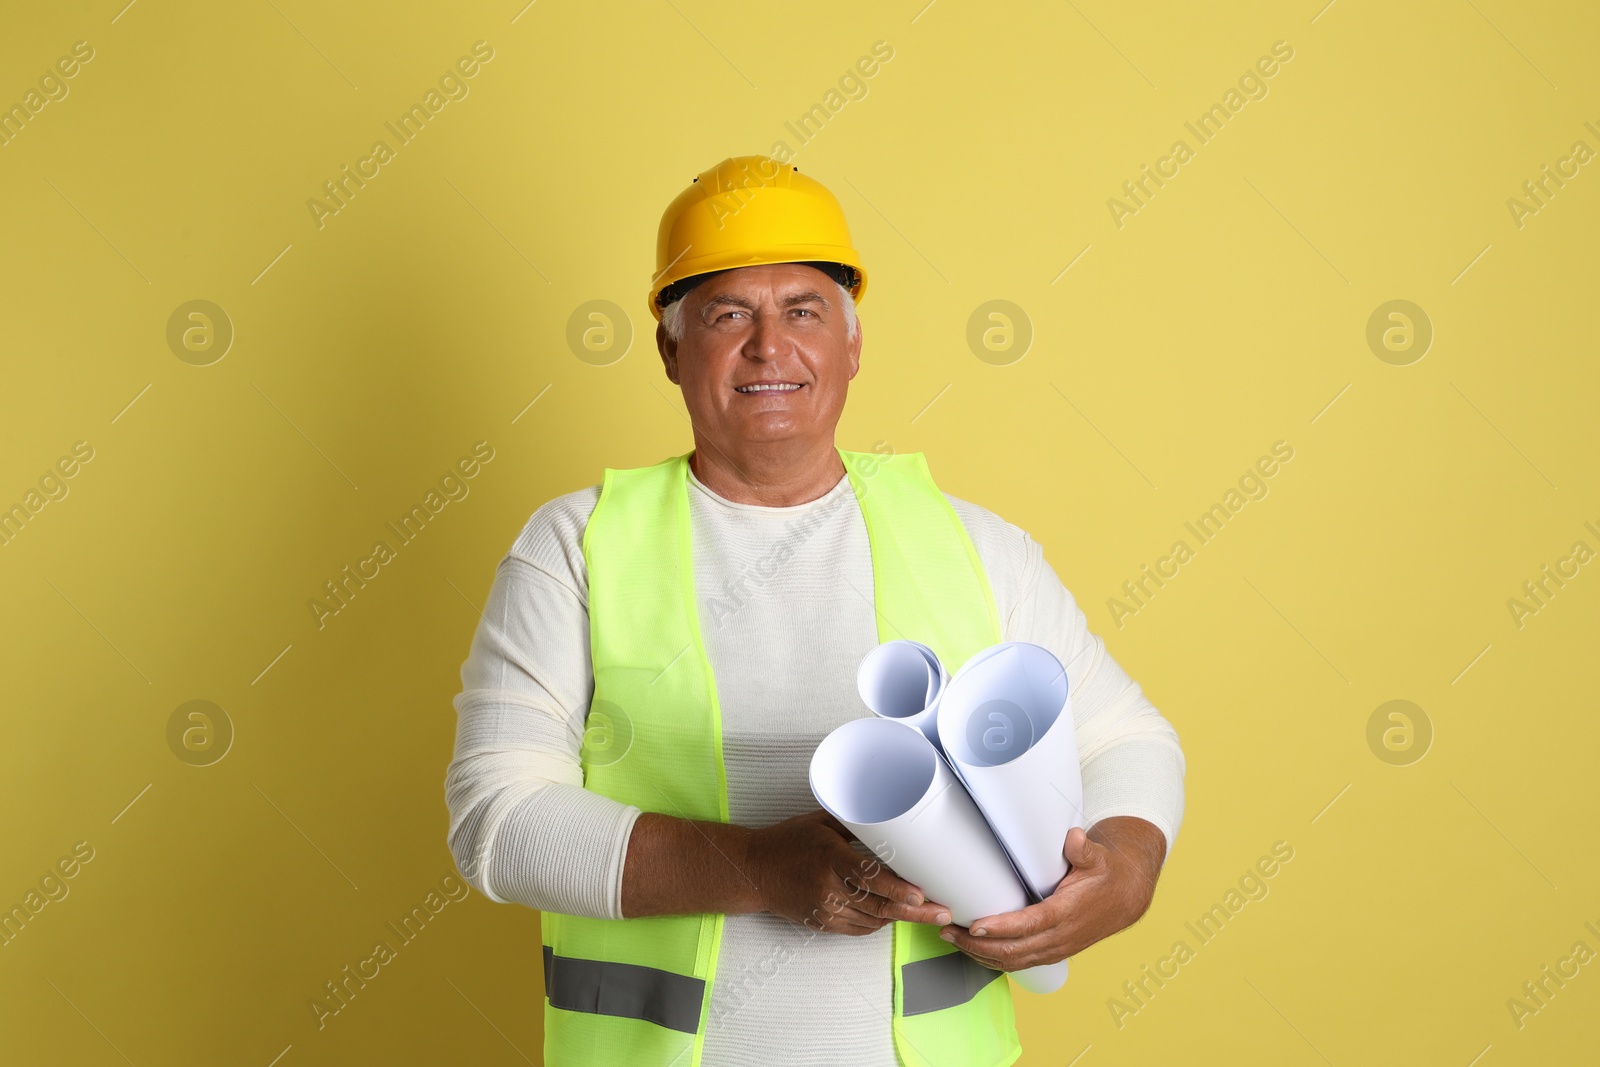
523 828
1132 763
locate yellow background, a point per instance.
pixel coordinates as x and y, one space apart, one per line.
369 354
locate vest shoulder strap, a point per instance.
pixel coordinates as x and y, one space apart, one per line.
929 583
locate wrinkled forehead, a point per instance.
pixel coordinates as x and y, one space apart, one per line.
807 277
787 291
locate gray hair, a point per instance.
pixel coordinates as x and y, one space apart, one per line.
672 315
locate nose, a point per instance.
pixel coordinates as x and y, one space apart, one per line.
766 336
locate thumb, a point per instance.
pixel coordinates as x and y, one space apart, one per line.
1080 851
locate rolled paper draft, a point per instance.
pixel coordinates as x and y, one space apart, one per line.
895 793
902 680
1005 724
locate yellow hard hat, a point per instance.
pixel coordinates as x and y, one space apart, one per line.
750 210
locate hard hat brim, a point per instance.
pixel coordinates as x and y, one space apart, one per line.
807 254
844 274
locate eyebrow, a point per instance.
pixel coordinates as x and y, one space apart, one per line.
791 300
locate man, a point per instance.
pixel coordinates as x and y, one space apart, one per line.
662 653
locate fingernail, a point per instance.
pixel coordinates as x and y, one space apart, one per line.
948 936
916 898
978 931
943 918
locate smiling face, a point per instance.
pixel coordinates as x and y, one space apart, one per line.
764 361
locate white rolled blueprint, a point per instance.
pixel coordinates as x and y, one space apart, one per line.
895 792
1005 724
903 680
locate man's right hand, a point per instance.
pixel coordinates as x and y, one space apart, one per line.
805 869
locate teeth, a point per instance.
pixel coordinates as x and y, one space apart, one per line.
766 388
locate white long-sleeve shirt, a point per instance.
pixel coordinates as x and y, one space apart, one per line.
786 610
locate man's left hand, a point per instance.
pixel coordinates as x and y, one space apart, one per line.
1113 877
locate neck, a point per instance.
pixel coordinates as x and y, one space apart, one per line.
776 474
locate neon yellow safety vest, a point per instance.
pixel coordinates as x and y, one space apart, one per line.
637 992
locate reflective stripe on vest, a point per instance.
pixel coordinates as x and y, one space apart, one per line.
640 991
631 991
626 990
943 982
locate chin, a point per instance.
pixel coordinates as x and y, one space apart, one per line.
771 430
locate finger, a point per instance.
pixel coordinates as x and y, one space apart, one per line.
855 922
1020 923
1039 950
870 874
1013 964
991 962
1014 954
930 914
1000 947
839 910
973 946
1082 851
833 922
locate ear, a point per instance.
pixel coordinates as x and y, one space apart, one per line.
669 353
855 350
